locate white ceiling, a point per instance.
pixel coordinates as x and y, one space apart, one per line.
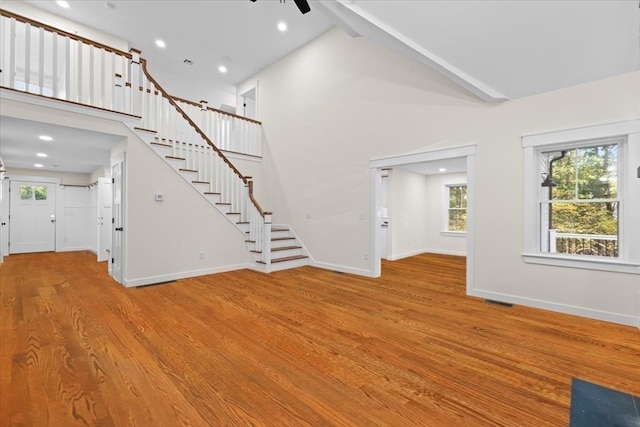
496 49
19 144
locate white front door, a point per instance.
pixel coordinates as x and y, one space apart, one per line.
104 218
117 221
32 211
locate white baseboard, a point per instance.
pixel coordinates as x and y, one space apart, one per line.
560 308
341 268
425 251
152 280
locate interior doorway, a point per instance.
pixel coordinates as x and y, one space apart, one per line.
247 101
381 235
116 264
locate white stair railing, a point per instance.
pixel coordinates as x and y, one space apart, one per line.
42 60
230 133
38 59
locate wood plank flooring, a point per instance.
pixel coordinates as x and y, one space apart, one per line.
304 347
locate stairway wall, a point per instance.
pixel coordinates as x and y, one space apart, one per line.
181 236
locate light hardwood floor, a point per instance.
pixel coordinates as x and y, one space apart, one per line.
304 347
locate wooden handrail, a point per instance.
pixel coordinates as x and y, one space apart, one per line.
172 101
195 104
29 21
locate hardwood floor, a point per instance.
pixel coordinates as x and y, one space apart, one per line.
304 347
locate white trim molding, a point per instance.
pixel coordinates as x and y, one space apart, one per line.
629 186
154 280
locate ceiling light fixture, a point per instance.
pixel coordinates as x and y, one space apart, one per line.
38 165
222 69
43 155
45 138
442 169
282 26
63 3
161 43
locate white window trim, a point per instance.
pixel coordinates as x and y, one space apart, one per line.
445 207
629 259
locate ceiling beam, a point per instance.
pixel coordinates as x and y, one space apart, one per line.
356 21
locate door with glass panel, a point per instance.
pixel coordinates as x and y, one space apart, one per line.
32 226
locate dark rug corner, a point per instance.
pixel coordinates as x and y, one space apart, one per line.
593 405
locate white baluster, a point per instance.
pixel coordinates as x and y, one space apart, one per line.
135 82
41 51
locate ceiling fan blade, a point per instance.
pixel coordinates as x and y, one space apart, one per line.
303 5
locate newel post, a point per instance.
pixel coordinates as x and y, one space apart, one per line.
135 73
204 116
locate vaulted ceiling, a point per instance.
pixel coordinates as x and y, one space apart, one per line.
498 50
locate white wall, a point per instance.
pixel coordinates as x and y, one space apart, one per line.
408 213
27 10
165 239
75 215
66 178
334 105
416 220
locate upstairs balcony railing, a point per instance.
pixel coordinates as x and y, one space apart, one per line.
232 133
42 60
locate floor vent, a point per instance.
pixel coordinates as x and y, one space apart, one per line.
500 303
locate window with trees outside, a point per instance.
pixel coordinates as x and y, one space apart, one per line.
582 197
579 202
457 208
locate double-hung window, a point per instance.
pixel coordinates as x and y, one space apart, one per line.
456 215
582 197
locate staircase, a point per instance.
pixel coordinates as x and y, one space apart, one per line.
286 251
96 75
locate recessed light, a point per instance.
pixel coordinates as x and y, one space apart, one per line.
41 155
45 138
282 26
161 43
109 6
63 3
38 165
442 169
222 69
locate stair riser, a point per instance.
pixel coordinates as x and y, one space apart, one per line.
287 253
289 264
162 150
281 243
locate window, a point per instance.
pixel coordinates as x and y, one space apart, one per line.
30 192
457 208
581 198
579 202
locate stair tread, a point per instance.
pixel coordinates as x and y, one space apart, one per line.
285 248
160 144
279 229
224 203
187 170
288 258
211 193
233 213
273 239
200 182
175 158
243 222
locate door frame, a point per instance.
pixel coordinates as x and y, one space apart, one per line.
7 201
118 277
468 151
